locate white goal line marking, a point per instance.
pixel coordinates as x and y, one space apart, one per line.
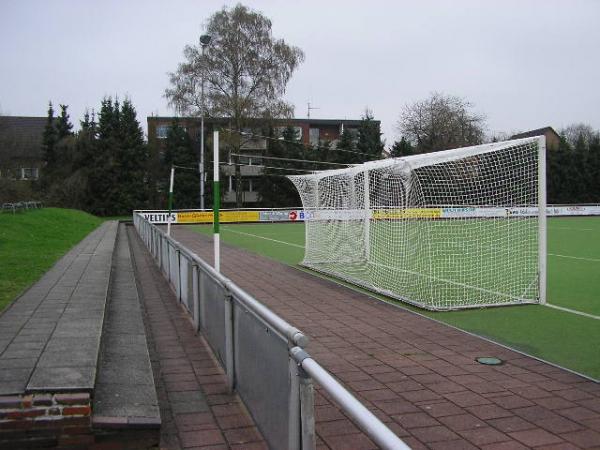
572 311
570 228
574 257
262 237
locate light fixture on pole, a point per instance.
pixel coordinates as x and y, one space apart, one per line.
204 42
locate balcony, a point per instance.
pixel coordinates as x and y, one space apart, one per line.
247 197
247 171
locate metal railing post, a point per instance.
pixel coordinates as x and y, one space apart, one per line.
229 344
195 298
307 411
294 427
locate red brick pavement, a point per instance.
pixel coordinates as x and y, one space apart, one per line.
417 375
196 410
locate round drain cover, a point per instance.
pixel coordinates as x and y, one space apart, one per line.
489 361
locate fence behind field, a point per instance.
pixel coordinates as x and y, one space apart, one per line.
263 355
20 206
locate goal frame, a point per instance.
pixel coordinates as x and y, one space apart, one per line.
444 156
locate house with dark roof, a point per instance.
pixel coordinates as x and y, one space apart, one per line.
552 137
21 147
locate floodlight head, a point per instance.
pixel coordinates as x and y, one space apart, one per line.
205 39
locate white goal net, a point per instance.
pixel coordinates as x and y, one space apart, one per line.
453 229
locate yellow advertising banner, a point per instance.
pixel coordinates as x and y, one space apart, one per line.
224 216
408 213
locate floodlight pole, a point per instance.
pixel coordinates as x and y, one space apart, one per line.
216 201
171 182
204 41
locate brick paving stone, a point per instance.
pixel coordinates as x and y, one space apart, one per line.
536 438
433 434
512 423
374 348
460 422
455 444
584 439
484 436
415 420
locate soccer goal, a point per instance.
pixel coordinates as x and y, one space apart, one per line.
453 229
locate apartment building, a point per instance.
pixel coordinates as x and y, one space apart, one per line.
309 131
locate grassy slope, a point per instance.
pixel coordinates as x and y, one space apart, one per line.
566 339
31 242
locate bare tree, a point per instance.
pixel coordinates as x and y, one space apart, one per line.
441 122
577 131
246 71
245 68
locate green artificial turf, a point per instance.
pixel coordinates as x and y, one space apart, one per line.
32 241
560 337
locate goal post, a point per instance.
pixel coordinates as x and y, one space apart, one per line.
452 229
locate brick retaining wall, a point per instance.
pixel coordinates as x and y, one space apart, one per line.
61 420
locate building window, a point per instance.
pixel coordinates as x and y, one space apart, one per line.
162 131
279 131
29 173
313 136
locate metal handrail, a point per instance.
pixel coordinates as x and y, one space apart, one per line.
365 419
284 328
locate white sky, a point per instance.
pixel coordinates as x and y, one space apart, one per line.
524 64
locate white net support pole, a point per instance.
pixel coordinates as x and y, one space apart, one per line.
542 222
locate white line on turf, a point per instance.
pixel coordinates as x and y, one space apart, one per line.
574 257
571 229
262 237
573 311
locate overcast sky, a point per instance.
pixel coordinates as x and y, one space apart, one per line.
524 64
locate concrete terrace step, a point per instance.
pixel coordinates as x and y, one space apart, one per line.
125 394
50 336
74 364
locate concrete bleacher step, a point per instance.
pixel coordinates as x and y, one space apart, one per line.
125 394
68 344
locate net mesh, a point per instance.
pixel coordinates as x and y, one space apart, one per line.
445 230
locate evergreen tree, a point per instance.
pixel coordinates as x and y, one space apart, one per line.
345 150
594 167
275 190
102 191
132 160
63 125
49 138
369 138
402 148
179 151
580 165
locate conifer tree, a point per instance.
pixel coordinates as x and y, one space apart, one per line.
274 189
49 137
402 148
63 125
369 138
179 151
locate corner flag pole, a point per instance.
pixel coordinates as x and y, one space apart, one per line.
170 200
216 201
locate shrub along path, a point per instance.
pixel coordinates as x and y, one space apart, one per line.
417 375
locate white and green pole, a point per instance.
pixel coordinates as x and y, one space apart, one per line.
171 182
216 201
